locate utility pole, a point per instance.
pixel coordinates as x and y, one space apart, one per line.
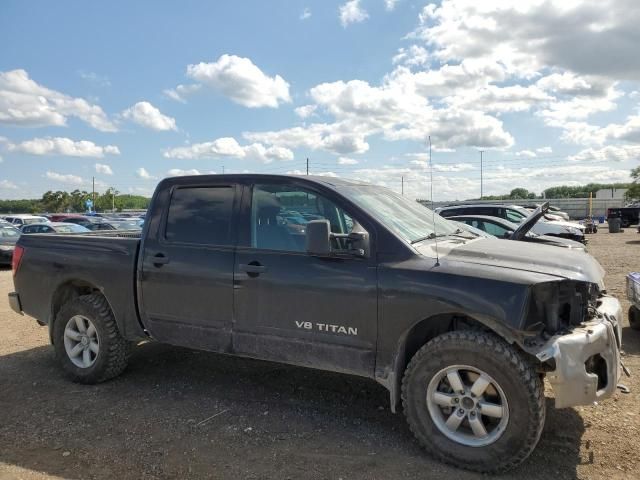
223 169
402 180
481 152
93 189
307 165
113 199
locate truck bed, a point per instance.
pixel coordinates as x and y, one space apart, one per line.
107 260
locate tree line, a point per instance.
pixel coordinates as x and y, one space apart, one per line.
570 191
61 201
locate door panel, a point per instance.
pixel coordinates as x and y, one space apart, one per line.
187 274
298 308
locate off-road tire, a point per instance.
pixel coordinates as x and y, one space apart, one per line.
521 384
634 317
113 355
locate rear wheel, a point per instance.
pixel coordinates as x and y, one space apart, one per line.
87 342
473 401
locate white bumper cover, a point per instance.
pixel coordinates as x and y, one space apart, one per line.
602 336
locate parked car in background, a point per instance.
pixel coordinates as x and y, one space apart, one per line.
549 219
470 228
507 230
514 214
125 223
54 227
59 217
8 237
20 220
91 223
553 211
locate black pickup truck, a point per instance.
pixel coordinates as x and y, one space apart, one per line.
627 215
340 276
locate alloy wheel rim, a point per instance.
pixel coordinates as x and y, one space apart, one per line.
467 405
81 341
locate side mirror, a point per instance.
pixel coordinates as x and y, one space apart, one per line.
507 234
318 237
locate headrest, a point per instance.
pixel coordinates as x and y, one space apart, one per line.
267 204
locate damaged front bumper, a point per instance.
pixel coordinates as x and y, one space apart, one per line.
587 360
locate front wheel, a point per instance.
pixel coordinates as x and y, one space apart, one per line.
87 342
473 401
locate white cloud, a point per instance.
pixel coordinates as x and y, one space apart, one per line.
229 147
352 12
63 147
103 168
144 174
610 153
1 159
145 114
23 102
335 138
65 178
544 150
181 92
526 153
628 131
347 161
177 172
99 80
241 81
561 112
390 5
305 111
306 13
415 55
568 83
491 98
527 36
7 185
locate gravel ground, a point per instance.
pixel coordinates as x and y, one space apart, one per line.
177 413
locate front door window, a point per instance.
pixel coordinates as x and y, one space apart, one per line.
279 216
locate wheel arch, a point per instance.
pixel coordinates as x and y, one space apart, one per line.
427 329
70 290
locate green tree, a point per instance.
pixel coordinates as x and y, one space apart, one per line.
519 193
55 202
633 193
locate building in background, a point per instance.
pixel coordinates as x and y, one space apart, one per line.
611 193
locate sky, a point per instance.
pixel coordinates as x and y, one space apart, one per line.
128 93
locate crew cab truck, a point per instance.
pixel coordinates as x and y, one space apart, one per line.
460 329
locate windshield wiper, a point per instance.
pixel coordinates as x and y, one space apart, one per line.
431 236
459 232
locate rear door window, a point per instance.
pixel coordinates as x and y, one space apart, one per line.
201 215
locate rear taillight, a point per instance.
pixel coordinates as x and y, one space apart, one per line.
18 252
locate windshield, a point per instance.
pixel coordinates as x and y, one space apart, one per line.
407 218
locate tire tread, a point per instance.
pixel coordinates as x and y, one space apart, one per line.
510 355
118 348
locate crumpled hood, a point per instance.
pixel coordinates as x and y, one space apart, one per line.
561 262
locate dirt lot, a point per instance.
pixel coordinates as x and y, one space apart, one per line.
177 413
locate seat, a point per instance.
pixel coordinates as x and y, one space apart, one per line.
269 234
